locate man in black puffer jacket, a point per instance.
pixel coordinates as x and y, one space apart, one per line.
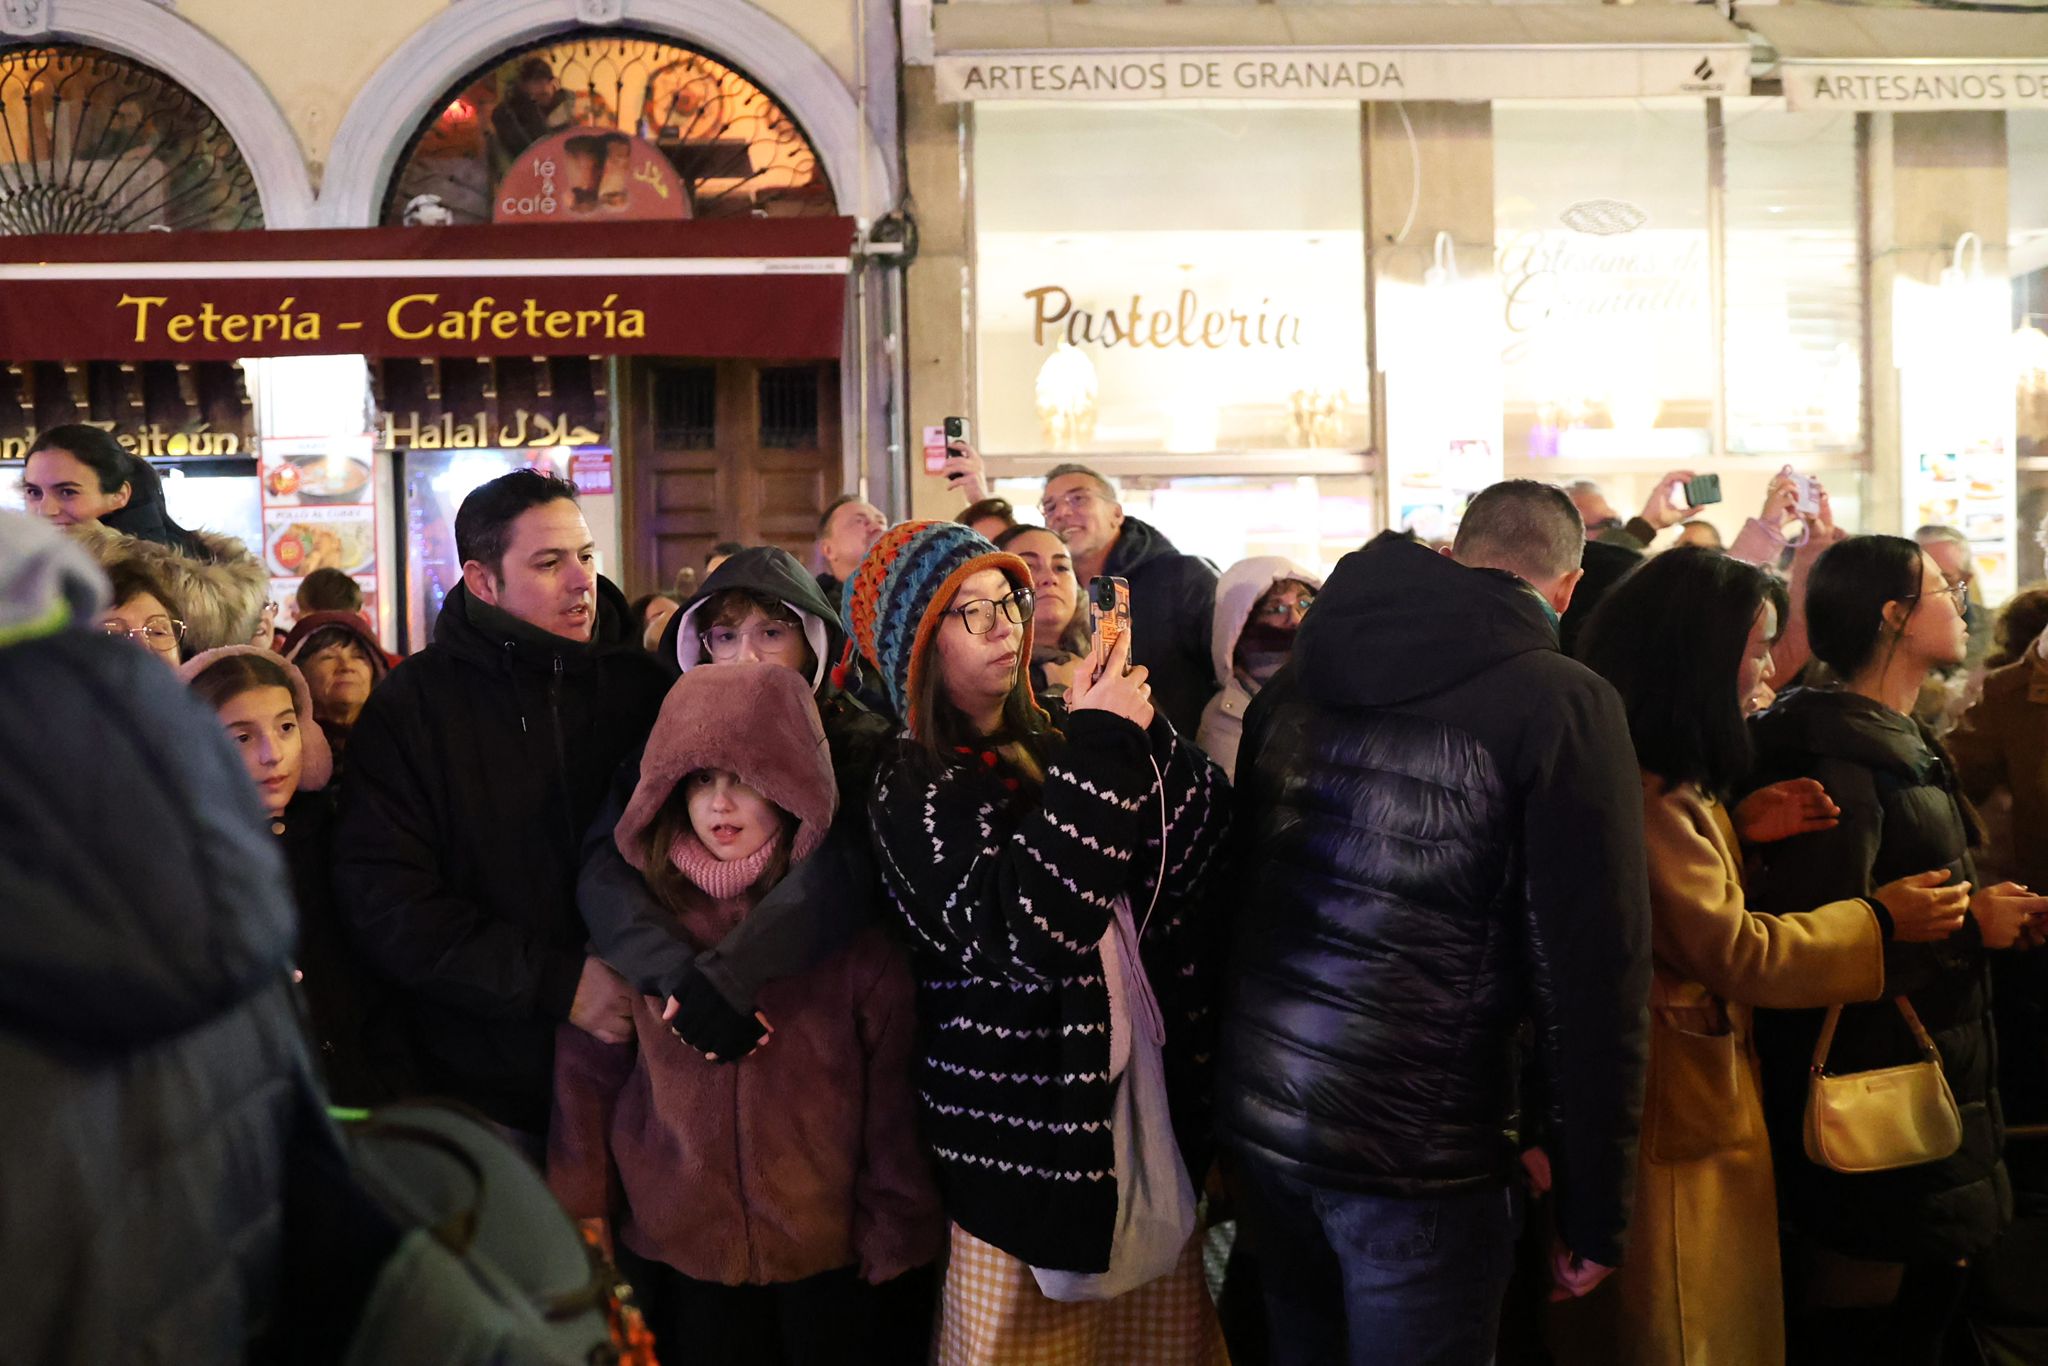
155 1077
1441 827
473 772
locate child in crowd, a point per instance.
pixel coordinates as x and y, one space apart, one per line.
756 1205
267 709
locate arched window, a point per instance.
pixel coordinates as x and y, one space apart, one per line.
603 127
92 142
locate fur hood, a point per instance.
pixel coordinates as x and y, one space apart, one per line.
220 593
316 763
755 720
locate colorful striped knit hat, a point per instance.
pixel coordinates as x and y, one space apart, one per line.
898 596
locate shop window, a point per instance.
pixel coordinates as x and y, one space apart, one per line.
1600 215
789 407
685 407
1176 281
605 128
2026 135
1794 281
91 142
1647 332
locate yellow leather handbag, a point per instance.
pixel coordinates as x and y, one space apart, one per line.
1875 1121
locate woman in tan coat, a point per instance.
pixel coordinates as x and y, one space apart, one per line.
1685 639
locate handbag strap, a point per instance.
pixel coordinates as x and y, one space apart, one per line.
1912 1017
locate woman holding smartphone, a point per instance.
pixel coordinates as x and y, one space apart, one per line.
1878 1261
1686 640
1007 843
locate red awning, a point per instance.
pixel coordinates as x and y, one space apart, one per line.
768 288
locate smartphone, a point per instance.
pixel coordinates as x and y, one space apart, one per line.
1702 491
1805 493
1109 611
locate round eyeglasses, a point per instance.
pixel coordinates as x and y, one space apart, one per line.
979 616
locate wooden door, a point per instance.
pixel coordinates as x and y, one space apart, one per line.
728 450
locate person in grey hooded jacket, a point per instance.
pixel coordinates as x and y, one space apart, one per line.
1260 603
155 1073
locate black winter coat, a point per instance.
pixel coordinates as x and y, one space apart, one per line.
1007 892
360 1046
474 770
1173 610
153 1071
1441 819
1900 815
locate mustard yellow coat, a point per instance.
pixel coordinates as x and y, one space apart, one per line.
1699 1284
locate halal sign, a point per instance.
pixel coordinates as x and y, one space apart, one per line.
590 175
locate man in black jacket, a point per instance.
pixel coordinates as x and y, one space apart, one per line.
1442 818
473 772
1173 596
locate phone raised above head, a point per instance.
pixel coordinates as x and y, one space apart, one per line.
1702 491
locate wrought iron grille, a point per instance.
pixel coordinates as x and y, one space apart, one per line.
92 142
685 407
789 407
735 149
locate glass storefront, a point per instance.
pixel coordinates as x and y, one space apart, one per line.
2026 134
1681 289
1156 287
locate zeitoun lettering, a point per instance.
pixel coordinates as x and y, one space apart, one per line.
1186 324
414 317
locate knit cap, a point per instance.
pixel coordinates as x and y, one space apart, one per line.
895 600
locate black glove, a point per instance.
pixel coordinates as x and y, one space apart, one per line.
706 1021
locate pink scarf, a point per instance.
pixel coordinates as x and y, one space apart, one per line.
719 879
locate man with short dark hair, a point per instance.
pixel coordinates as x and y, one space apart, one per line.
474 769
847 529
1442 818
1173 596
328 590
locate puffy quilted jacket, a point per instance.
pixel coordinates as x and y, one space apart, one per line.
1900 815
1442 821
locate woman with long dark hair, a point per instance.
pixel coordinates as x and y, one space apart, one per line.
1882 617
1049 878
1686 640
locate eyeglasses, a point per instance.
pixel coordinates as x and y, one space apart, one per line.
979 616
723 643
1957 593
1279 612
157 633
1073 500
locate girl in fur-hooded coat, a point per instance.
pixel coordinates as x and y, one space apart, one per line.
797 1168
220 587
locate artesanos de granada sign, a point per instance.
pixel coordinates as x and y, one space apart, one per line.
1420 73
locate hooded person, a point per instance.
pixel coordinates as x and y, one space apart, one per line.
1259 606
157 1080
1441 821
342 662
117 511
798 1171
761 605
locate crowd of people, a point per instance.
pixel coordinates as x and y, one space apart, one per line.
1433 962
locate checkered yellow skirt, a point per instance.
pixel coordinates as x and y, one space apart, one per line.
993 1314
